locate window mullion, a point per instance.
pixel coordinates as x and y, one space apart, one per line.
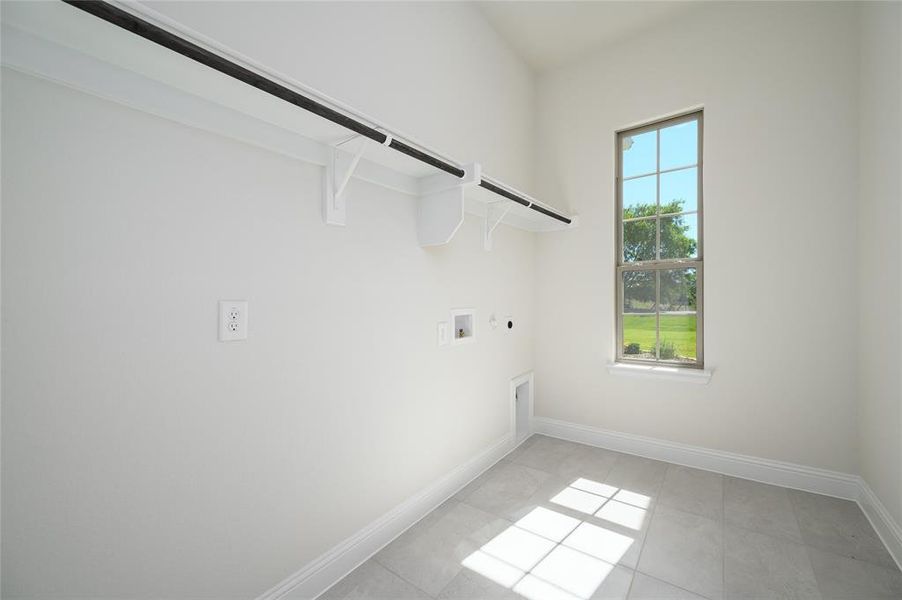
658 245
658 315
619 294
658 195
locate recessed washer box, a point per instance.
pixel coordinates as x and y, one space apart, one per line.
463 325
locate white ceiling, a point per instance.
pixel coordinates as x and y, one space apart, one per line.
547 34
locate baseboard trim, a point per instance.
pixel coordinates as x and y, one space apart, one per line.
319 575
883 523
800 477
810 479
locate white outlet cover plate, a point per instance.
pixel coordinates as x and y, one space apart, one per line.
442 333
232 320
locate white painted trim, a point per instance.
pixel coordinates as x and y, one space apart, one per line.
660 372
883 523
515 383
810 479
774 472
320 574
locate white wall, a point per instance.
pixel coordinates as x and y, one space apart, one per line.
779 86
142 457
880 259
434 70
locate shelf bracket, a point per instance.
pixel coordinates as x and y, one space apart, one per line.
440 210
493 218
340 167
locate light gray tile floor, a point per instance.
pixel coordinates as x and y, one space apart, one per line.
556 520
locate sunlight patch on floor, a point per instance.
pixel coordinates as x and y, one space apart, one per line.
622 514
548 524
573 571
599 542
548 555
519 548
579 500
599 489
492 568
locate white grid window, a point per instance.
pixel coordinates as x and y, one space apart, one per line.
659 242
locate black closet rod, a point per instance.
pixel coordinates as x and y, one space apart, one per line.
158 35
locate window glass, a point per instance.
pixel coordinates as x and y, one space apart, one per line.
639 314
679 145
679 236
640 153
640 197
677 317
640 239
660 260
679 191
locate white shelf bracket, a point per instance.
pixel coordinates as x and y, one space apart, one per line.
339 169
493 218
440 210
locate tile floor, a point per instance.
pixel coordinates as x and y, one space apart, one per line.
556 520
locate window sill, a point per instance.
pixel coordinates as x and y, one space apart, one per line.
701 376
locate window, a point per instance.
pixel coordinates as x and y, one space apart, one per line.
659 242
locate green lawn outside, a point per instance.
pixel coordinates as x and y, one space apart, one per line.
678 329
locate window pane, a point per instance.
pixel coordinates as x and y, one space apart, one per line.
640 197
639 153
678 337
679 145
679 288
679 236
639 239
639 318
679 191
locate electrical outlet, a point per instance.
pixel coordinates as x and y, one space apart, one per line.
232 320
442 333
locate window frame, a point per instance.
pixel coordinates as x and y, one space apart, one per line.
659 264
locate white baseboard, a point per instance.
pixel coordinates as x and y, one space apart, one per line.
884 524
317 576
800 477
810 479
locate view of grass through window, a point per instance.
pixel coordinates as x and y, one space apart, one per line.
659 260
